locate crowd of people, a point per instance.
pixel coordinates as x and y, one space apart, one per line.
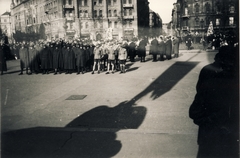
79 56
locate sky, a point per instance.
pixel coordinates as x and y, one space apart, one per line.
162 7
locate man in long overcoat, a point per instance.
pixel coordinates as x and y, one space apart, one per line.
175 43
142 49
69 59
215 108
33 59
154 49
80 54
44 57
3 64
57 59
161 48
168 48
24 58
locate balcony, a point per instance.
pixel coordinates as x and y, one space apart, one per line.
68 6
129 17
127 5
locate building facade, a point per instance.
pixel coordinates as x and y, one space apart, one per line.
5 24
194 16
94 19
155 24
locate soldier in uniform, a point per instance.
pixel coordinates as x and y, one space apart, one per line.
33 61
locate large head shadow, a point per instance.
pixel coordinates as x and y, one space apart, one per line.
93 134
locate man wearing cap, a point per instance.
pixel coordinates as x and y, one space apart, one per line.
122 56
111 58
97 57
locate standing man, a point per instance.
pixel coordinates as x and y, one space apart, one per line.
142 49
215 108
161 48
175 47
44 58
154 49
57 59
33 61
3 64
132 50
168 49
111 58
24 58
122 56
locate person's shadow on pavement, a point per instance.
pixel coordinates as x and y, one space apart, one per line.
93 134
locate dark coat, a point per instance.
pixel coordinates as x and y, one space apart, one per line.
80 57
3 64
175 43
154 47
57 58
215 110
44 57
142 48
68 59
33 59
132 49
161 48
168 48
24 57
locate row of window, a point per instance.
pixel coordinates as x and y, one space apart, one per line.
217 21
98 2
207 9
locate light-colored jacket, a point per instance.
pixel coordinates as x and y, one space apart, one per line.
122 53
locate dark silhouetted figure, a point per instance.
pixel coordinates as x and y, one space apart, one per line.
215 107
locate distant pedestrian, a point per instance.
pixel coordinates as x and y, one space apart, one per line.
175 43
189 43
3 64
24 58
